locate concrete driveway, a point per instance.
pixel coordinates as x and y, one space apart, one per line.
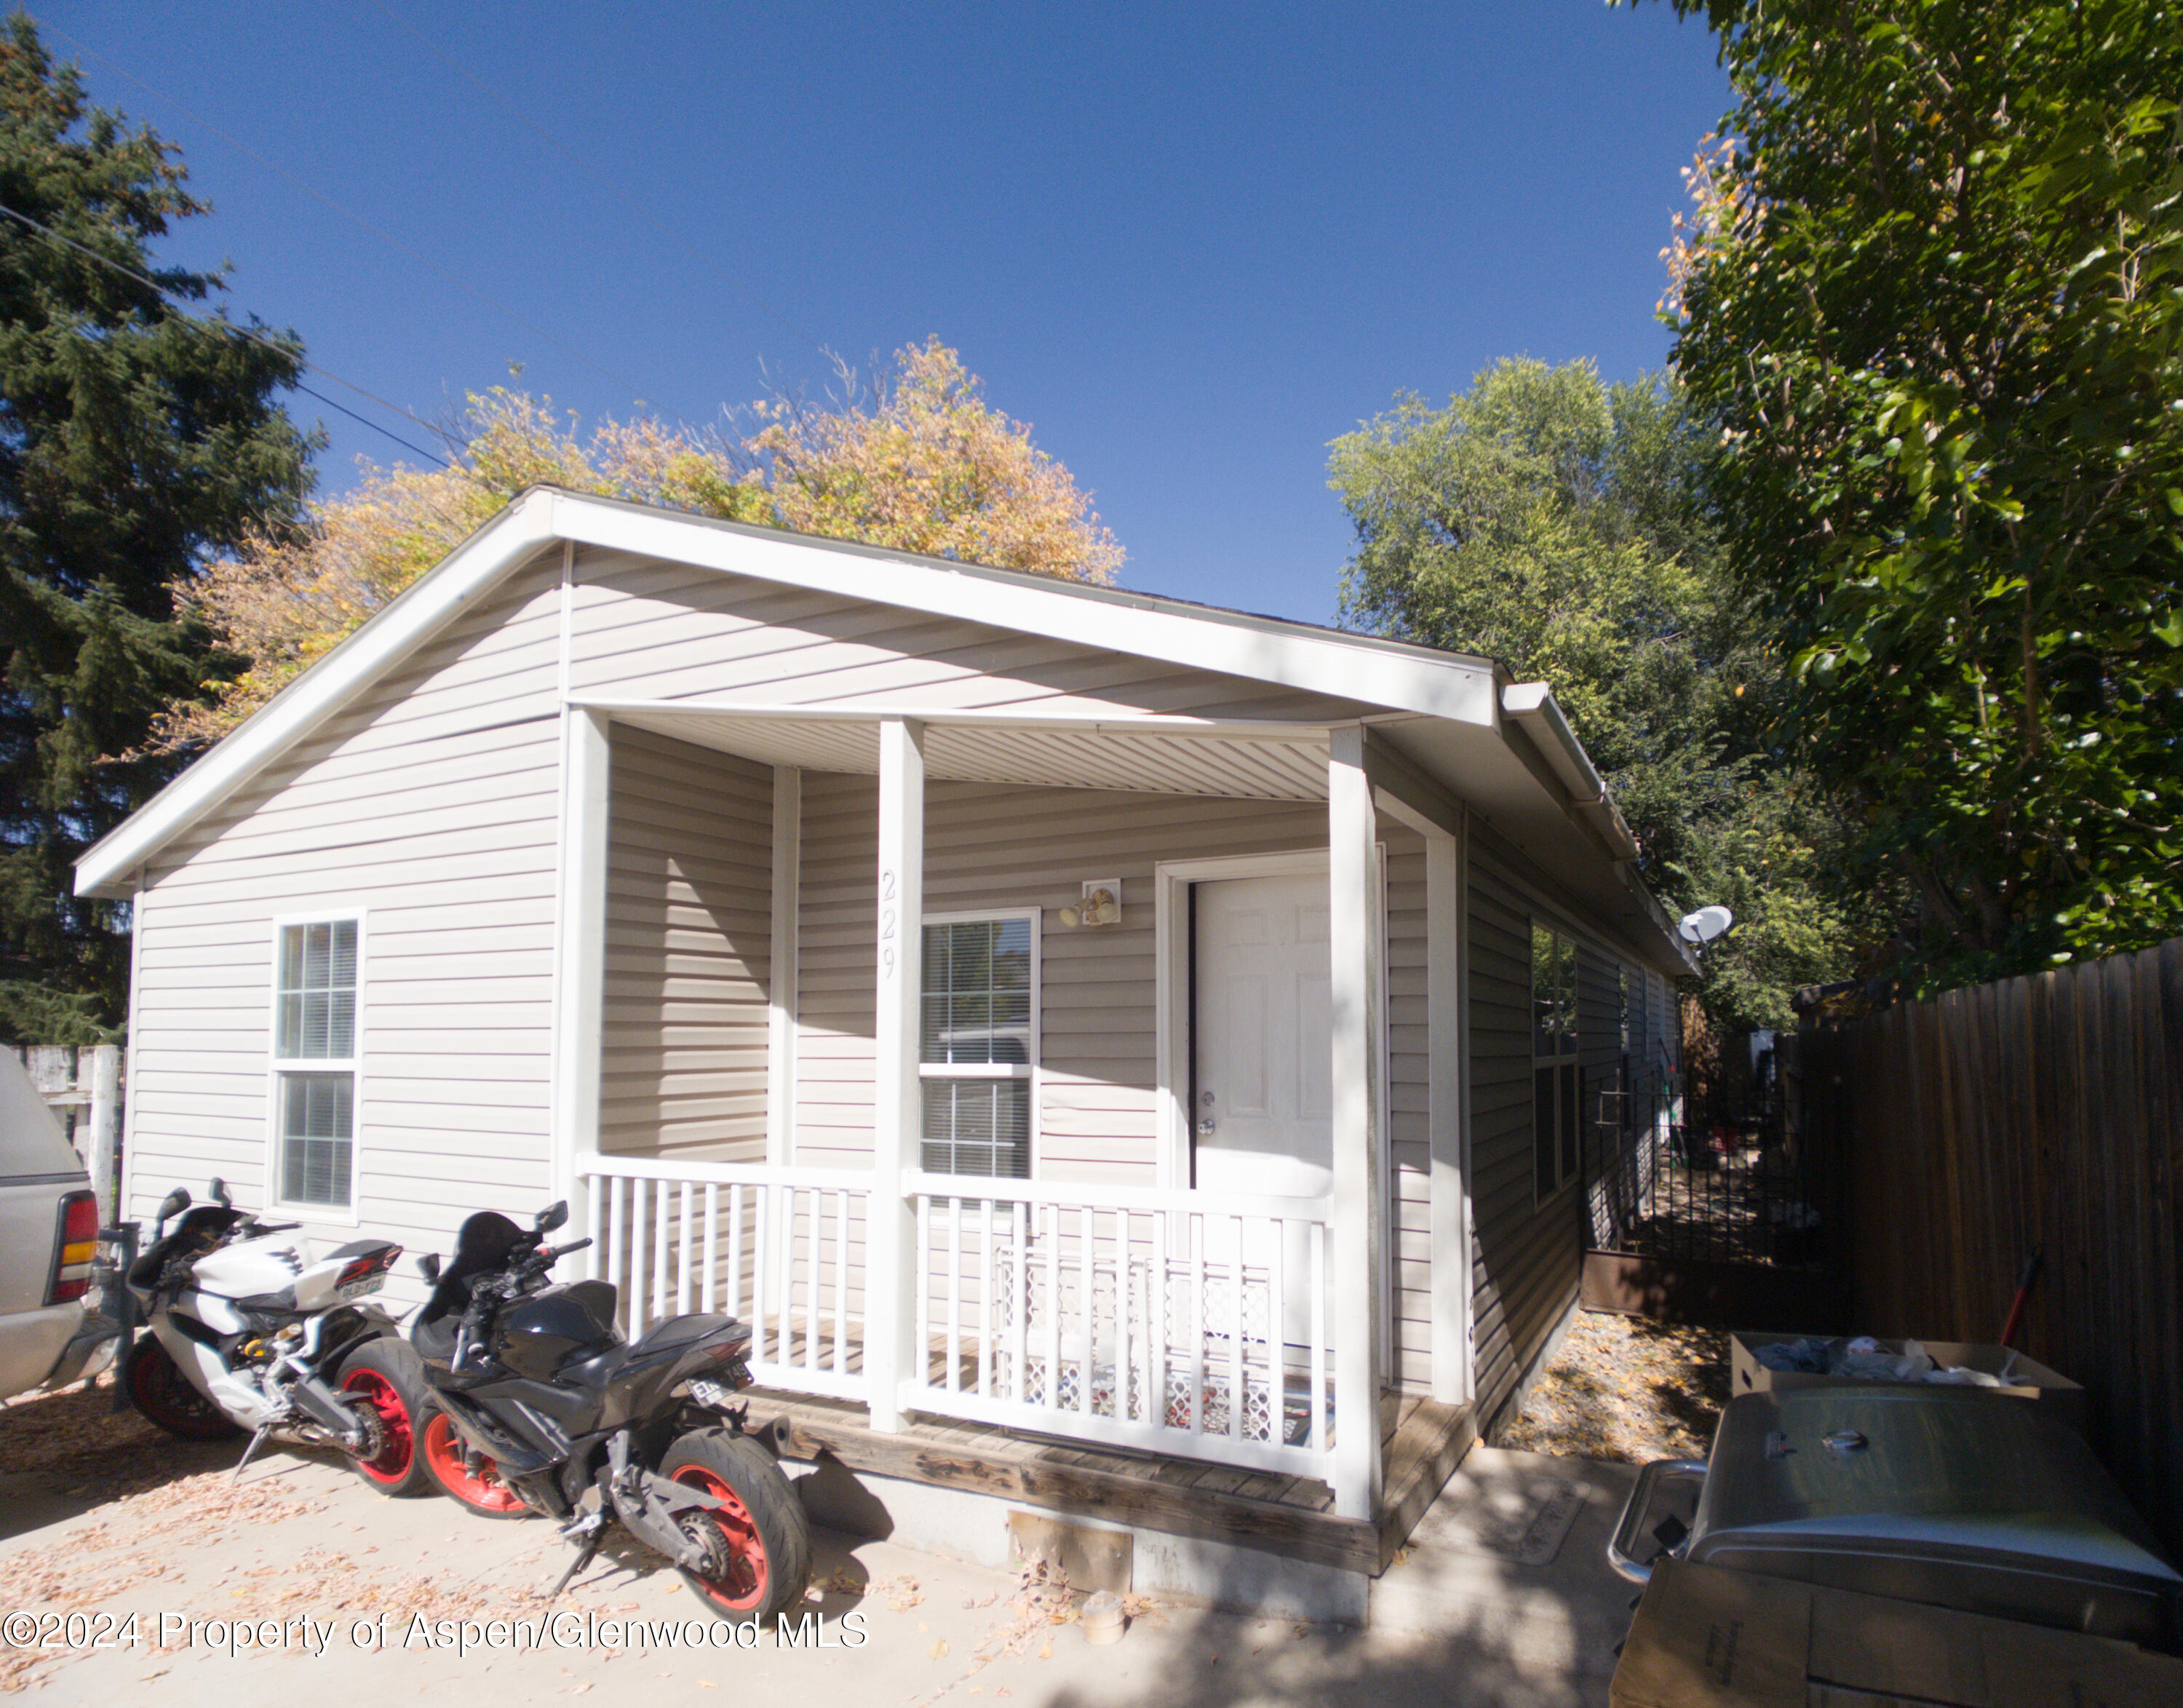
148 1573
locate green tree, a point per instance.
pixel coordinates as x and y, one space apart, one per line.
1931 298
135 439
1555 523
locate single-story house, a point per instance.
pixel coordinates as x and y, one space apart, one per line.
1054 1010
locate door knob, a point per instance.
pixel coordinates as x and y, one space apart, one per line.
1205 1129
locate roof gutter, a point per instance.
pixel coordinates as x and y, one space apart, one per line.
1533 707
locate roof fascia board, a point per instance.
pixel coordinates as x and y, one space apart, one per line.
999 717
1233 644
512 537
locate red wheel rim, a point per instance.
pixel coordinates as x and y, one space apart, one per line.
390 1464
443 1452
743 1587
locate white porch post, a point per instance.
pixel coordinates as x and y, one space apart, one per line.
897 1118
781 975
1448 1100
580 946
1352 837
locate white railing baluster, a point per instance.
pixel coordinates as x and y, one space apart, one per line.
736 1206
1019 1301
1156 1346
1054 1307
593 1187
1197 1224
1277 1339
1087 1230
985 1297
660 1212
954 1295
618 1240
708 1292
640 1200
841 1280
682 1268
788 1275
1237 1393
761 1262
811 1302
1318 1337
924 1318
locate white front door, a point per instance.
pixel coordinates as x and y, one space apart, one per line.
1263 1112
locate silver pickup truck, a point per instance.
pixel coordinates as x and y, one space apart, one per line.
48 1242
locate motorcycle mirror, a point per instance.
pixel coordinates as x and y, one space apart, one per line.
429 1264
173 1204
552 1216
219 1190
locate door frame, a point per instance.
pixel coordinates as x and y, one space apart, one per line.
1174 1041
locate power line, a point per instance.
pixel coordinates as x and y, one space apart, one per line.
354 218
174 298
599 177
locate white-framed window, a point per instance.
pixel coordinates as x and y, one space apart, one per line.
978 1042
1556 1075
317 1059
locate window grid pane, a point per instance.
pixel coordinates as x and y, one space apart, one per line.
317 1004
318 1131
975 1009
977 1126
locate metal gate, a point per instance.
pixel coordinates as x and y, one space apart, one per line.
1729 1222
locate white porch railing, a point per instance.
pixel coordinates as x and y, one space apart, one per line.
1182 1322
780 1248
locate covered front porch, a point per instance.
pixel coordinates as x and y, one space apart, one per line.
1084 1314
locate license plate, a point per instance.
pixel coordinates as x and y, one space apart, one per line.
357 1289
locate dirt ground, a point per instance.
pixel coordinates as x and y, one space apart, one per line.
137 1567
1626 1388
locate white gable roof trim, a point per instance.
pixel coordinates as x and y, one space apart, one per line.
1359 668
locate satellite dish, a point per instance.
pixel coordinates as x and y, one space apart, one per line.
1705 924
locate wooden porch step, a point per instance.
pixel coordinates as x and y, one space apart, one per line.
1422 1442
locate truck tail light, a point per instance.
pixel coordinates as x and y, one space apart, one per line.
75 1244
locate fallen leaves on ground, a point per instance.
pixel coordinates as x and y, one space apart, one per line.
1627 1389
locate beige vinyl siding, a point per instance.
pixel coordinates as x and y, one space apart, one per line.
988 845
688 954
432 805
646 630
1526 1254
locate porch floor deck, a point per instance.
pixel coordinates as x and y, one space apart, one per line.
1422 1442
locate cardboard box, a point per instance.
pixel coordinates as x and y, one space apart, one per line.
1706 1637
2029 1379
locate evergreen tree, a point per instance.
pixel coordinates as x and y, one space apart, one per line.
136 438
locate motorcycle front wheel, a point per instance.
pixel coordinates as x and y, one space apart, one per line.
447 1464
757 1541
159 1389
387 1376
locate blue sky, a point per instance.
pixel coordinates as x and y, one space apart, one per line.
1189 244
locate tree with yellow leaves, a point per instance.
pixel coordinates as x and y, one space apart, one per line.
930 467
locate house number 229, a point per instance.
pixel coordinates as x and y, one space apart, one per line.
887 924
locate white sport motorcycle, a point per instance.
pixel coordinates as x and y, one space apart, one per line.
248 1328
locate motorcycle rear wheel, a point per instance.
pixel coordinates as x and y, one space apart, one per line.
386 1374
445 1463
760 1538
159 1389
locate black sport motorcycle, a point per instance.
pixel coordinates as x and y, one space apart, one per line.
540 1404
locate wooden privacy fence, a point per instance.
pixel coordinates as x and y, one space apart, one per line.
2039 1112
